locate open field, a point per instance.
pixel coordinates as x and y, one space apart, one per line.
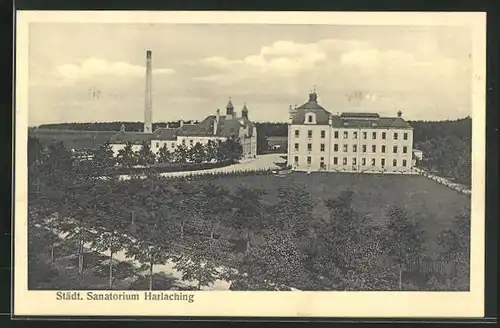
373 194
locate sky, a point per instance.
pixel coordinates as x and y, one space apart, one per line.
92 72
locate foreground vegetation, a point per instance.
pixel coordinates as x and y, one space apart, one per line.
210 231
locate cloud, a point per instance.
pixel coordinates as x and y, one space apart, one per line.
95 67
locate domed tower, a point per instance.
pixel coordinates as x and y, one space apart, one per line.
244 112
313 97
230 108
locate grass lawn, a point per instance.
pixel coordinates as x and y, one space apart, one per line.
373 195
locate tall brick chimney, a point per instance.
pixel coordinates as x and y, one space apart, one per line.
148 110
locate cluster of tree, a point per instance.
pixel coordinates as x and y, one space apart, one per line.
268 129
211 233
446 146
110 126
227 151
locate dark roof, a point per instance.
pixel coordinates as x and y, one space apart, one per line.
312 106
132 137
165 134
379 123
359 115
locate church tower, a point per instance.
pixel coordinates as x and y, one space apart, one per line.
148 110
244 112
230 108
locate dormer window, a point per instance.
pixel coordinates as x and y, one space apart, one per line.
310 118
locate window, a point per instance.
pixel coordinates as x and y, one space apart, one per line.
309 134
191 142
355 134
157 144
383 148
296 133
354 148
173 145
322 163
345 148
309 118
335 160
296 147
395 149
364 135
373 161
336 134
394 162
309 147
296 159
405 150
374 148
363 161
322 147
354 161
404 162
322 134
374 135
184 142
364 148
405 136
382 161
346 134
335 147
383 135
308 160
395 136
344 161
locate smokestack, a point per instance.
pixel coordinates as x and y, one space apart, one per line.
148 110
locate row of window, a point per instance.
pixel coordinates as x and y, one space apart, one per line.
395 135
353 161
345 148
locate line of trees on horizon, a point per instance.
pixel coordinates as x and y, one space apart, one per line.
446 145
211 232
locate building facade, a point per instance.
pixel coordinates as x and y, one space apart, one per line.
349 142
213 128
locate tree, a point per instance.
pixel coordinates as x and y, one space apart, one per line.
455 248
181 154
103 161
247 213
211 151
276 264
197 154
145 156
294 209
405 239
126 156
164 155
152 240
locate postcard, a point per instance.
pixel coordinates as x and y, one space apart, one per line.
265 164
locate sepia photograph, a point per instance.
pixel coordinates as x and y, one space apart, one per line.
167 163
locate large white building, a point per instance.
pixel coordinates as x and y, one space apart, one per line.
349 142
214 127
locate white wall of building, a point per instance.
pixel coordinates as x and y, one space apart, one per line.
305 149
117 147
349 149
